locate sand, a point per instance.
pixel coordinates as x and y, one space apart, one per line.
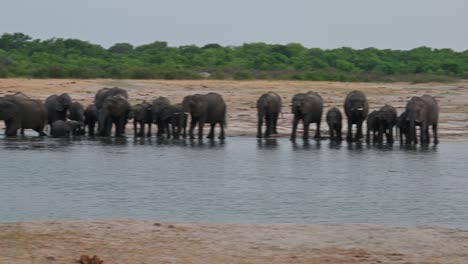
127 241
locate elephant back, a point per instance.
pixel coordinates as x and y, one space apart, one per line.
334 114
103 93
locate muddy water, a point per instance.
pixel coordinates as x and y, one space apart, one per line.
241 180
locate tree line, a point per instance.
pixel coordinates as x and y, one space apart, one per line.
23 56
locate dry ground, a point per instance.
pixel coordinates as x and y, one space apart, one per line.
241 97
150 242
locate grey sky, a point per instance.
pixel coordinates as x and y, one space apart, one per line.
396 24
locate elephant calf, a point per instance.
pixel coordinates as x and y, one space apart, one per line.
334 121
141 115
174 119
381 123
90 118
68 128
268 108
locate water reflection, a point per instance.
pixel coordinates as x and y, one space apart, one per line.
267 143
307 145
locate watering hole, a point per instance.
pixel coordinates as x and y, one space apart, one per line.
241 180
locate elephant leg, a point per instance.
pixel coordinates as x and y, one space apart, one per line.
422 135
305 125
149 130
11 128
142 128
349 136
192 127
317 132
91 128
221 133
259 126
434 131
275 123
269 126
294 128
135 128
338 133
201 123
359 131
390 136
331 131
211 134
368 135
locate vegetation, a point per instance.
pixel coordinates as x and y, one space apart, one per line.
22 56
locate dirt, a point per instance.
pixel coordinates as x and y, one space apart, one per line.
151 242
241 96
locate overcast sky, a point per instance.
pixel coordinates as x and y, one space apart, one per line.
395 24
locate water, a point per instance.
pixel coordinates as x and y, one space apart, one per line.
242 180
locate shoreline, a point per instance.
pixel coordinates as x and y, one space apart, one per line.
128 241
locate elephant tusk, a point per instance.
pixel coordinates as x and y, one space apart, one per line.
360 109
187 113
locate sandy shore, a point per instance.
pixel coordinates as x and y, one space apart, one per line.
151 242
241 97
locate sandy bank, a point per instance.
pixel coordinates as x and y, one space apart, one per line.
151 242
241 97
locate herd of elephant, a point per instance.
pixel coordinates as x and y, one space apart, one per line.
420 111
111 108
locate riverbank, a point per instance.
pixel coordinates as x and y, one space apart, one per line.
153 242
241 96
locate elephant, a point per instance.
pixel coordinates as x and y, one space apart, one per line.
108 111
402 124
20 112
372 127
173 117
334 121
57 107
103 93
268 108
387 119
76 113
205 108
356 108
141 115
157 106
90 118
423 112
307 107
67 128
115 110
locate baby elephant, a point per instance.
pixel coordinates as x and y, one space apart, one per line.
62 128
334 118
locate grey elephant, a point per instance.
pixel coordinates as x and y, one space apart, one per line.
21 112
67 128
141 115
112 108
90 118
157 107
356 108
372 127
57 107
423 112
268 108
76 113
334 121
205 109
174 121
307 107
402 124
387 118
114 111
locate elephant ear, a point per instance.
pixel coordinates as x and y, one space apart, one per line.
8 109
